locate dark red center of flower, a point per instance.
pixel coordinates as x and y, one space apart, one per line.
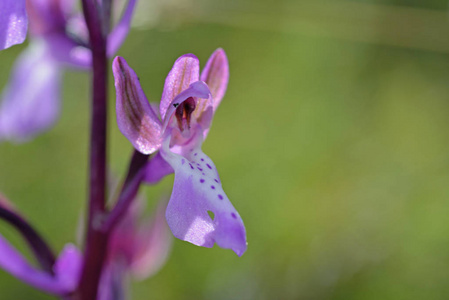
184 113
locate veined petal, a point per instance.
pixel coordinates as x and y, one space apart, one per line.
156 169
216 75
196 90
14 263
31 99
119 33
196 191
13 23
185 71
135 117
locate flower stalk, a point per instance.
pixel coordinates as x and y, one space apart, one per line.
96 242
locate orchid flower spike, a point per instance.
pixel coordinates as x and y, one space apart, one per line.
13 23
187 107
137 247
58 39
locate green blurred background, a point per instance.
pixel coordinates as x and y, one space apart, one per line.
331 142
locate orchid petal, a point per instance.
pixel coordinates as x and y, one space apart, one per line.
135 117
31 99
68 267
152 245
13 23
216 75
119 33
156 169
14 263
185 71
196 191
196 90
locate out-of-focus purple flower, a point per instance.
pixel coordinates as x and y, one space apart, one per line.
137 247
58 39
66 269
57 276
13 23
187 107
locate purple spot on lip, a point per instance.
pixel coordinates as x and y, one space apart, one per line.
191 167
209 166
234 215
212 187
183 161
203 174
216 180
199 169
201 180
195 154
202 159
220 197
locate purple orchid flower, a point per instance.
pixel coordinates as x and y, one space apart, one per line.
59 39
13 23
136 247
187 107
66 269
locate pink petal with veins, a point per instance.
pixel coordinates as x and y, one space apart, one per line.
136 119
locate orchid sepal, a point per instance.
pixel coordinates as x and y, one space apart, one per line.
30 101
135 118
216 75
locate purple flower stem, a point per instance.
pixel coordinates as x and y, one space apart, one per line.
129 190
106 18
40 248
138 161
95 248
